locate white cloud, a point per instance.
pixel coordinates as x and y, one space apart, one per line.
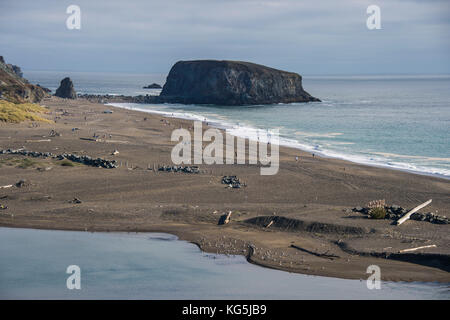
303 36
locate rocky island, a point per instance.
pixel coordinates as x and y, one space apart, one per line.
153 86
231 83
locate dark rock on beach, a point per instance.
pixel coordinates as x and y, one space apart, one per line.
232 182
231 83
66 89
184 169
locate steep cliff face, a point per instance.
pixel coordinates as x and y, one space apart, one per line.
231 83
16 89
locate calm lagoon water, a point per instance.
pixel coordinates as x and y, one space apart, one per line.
33 265
399 122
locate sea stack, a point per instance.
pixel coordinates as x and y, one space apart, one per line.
231 83
66 89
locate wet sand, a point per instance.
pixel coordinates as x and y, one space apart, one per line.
315 233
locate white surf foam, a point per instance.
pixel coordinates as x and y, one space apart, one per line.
247 131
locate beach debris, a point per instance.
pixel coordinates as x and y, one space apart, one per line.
3 207
232 182
418 248
108 111
325 255
75 200
225 219
408 215
41 140
53 133
86 160
115 152
22 183
270 223
184 169
396 212
6 187
44 169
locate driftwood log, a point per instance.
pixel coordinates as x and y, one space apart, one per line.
414 249
408 215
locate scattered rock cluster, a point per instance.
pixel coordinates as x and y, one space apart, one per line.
24 152
396 212
187 169
232 182
89 161
86 160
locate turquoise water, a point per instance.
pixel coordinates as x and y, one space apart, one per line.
158 266
401 122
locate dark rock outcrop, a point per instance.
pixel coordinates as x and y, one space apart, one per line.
44 88
153 86
231 83
66 89
14 88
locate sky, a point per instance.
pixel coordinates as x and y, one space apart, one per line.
311 37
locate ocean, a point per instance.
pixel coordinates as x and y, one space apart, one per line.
394 121
158 266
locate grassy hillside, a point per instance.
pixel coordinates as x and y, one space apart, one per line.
18 112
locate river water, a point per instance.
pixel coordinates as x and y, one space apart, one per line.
33 265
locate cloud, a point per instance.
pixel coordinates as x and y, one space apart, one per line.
304 36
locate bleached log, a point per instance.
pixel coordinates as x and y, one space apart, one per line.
270 223
414 249
7 186
408 215
228 218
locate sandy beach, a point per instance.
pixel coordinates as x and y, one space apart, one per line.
316 231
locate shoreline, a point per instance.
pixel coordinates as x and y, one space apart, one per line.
283 141
316 193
